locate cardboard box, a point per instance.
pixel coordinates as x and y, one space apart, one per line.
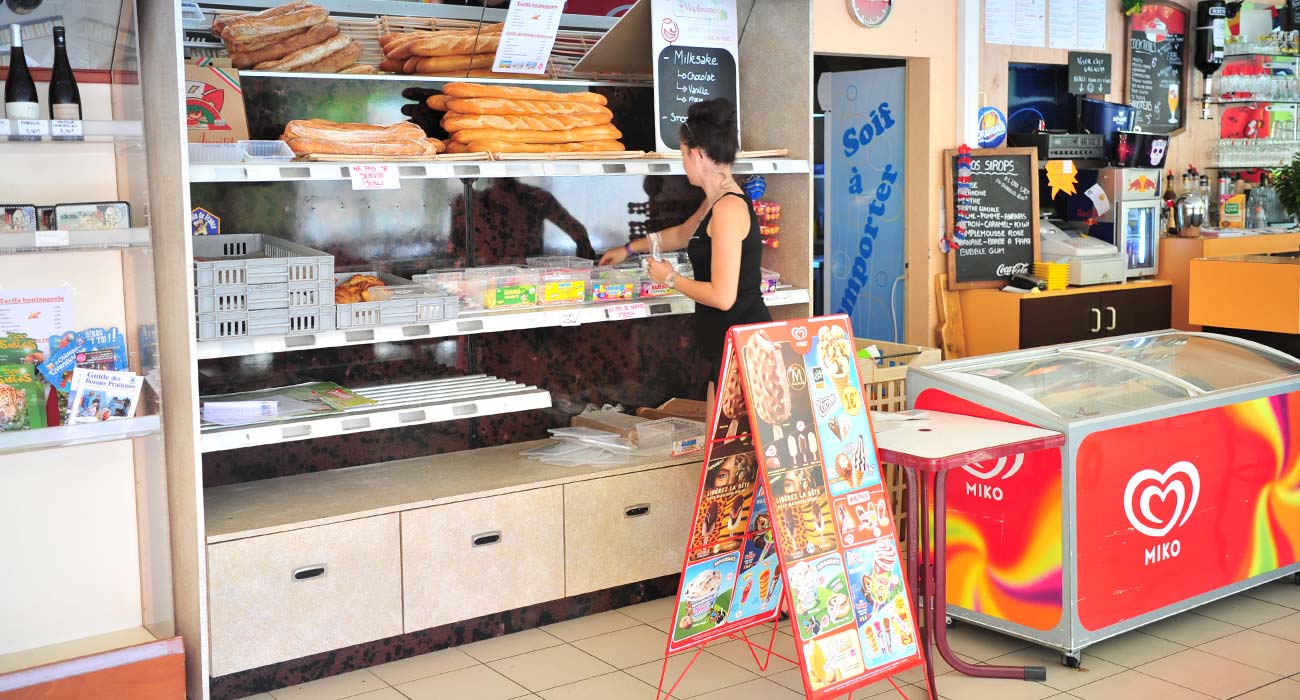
214 102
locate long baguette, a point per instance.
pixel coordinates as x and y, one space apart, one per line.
489 73
359 69
454 45
219 24
400 46
391 65
336 61
311 54
438 102
259 43
296 19
278 50
604 132
490 105
455 121
351 132
517 147
520 93
434 64
422 147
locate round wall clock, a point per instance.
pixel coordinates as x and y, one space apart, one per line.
871 13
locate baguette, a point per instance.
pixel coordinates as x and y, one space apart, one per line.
454 45
391 65
296 19
336 61
400 46
351 132
455 121
438 102
219 24
262 42
518 147
489 73
435 64
422 147
359 69
309 55
280 49
490 105
520 93
604 132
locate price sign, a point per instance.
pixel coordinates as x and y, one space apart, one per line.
52 239
374 177
67 128
4 127
570 318
623 312
33 127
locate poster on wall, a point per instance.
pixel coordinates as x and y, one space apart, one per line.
866 199
696 58
1156 62
810 520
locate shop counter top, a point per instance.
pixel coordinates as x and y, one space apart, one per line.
306 500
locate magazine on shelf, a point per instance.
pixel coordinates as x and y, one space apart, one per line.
100 395
279 404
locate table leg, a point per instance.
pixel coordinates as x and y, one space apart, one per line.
915 508
1029 673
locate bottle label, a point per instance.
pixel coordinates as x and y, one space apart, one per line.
67 111
23 110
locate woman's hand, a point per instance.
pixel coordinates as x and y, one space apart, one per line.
614 256
659 270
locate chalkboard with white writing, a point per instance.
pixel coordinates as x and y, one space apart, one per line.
1089 73
1156 59
1001 216
687 75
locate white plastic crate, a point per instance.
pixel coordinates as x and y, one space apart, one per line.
255 259
240 324
203 153
560 262
260 297
401 302
266 151
679 436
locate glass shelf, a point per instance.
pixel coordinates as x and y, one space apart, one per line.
93 131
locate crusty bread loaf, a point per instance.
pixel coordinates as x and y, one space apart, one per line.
442 64
455 121
278 50
438 102
517 147
219 24
454 45
391 65
351 132
296 19
604 132
359 69
336 61
453 147
258 43
492 105
520 93
421 147
400 45
489 73
305 56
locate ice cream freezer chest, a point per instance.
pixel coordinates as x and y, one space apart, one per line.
1178 483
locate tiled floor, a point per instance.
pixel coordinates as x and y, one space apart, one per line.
1245 647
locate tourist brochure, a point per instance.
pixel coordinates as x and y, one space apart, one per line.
100 395
280 404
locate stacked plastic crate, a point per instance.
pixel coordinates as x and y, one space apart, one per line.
250 284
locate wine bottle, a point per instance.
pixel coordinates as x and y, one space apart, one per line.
20 91
1211 33
65 99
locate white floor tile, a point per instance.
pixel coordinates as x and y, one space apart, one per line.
473 683
1190 629
628 647
761 689
382 694
1132 649
1213 675
510 645
1059 676
1244 611
1131 685
664 625
1285 689
1254 648
423 666
590 626
610 686
1285 627
709 673
333 688
1283 592
651 611
981 644
550 668
742 655
957 686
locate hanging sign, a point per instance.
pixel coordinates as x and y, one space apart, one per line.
695 49
528 36
1089 73
997 189
871 13
791 504
1156 58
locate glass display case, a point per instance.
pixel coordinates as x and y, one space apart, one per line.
1167 494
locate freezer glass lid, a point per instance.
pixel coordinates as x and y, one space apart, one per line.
1074 387
1206 362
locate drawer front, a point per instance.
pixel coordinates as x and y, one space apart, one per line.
283 596
1137 310
1060 319
478 557
628 528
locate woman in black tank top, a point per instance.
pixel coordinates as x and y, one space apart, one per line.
721 238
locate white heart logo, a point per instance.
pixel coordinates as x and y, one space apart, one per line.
977 469
1181 481
800 333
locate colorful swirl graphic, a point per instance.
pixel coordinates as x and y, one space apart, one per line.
1275 503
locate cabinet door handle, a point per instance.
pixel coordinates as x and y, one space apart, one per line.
1113 318
637 510
1097 328
309 572
486 538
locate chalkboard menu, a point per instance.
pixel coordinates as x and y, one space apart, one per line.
1157 63
686 75
1089 73
1001 216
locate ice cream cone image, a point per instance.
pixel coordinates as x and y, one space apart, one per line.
764 584
836 355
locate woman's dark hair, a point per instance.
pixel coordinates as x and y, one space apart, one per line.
711 125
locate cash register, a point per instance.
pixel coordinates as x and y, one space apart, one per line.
1091 260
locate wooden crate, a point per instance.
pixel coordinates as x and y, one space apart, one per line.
884 387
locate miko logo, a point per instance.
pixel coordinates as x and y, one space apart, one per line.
1175 492
1004 467
799 333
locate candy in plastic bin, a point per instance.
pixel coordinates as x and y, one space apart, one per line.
755 186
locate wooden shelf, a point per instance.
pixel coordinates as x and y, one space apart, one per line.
78 434
293 502
44 242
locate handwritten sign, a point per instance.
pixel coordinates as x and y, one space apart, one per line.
67 129
528 36
624 312
570 318
1157 50
695 49
1089 73
33 127
375 177
52 239
1001 217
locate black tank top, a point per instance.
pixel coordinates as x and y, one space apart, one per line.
711 324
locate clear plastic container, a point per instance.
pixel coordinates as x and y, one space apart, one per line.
770 280
266 151
217 153
558 286
502 286
679 436
560 262
612 284
648 288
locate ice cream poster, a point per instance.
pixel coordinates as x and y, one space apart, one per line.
706 596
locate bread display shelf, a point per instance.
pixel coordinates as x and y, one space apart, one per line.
80 434
400 405
470 324
439 167
54 242
307 500
125 132
441 157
